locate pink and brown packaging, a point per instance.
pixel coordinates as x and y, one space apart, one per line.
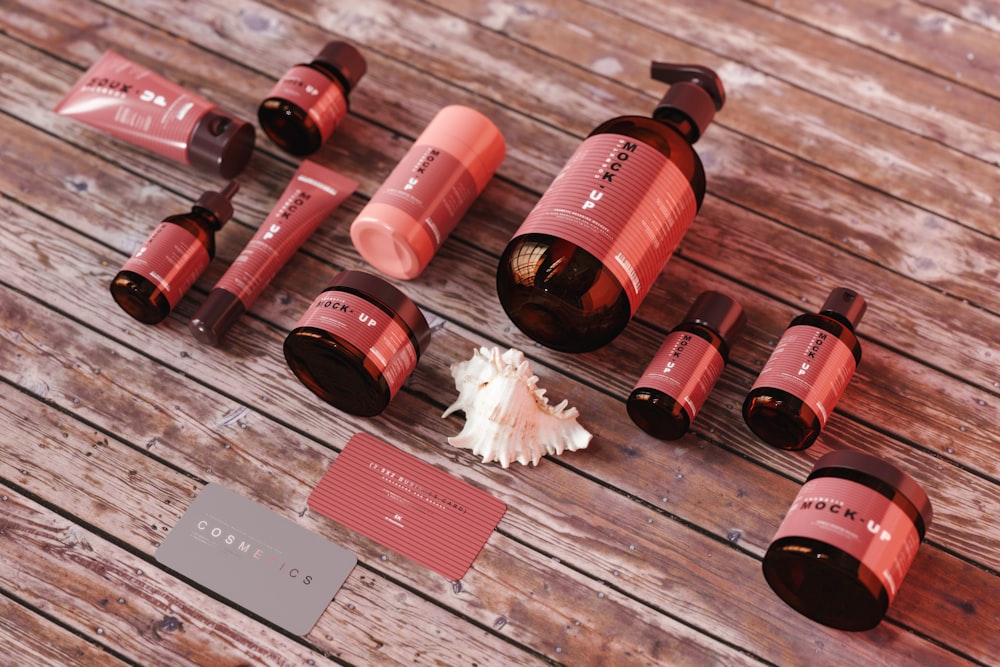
133 103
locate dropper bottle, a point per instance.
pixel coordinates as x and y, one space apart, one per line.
807 373
577 269
162 270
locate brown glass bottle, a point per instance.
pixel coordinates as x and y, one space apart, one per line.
806 374
565 296
686 367
158 274
308 103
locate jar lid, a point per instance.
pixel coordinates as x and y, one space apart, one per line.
883 471
390 298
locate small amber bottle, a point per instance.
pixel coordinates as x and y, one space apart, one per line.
155 278
686 367
585 257
308 103
806 374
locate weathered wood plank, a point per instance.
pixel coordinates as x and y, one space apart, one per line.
28 638
559 493
185 442
954 48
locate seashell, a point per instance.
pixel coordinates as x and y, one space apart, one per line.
507 417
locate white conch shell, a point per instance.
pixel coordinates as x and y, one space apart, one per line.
507 417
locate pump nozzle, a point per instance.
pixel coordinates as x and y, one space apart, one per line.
696 93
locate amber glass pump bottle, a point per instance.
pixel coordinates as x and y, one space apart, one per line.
155 278
582 261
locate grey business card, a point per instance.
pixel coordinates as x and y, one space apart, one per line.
259 560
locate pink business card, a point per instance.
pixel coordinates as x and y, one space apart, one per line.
407 505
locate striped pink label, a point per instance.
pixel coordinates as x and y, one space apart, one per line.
171 258
622 201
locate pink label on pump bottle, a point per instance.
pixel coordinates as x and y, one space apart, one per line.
172 258
811 364
622 201
374 332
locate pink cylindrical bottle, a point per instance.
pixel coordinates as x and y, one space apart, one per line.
684 370
133 103
419 204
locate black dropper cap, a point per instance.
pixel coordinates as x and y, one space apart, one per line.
719 313
217 204
696 92
846 306
345 61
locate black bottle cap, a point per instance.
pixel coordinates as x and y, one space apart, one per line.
217 204
345 60
696 92
221 144
719 313
845 305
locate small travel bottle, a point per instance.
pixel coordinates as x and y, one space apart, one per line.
308 103
155 278
806 374
686 367
585 257
421 201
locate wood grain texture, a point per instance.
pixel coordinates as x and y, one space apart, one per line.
857 147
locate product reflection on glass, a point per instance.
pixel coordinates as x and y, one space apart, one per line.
580 264
806 374
848 540
165 266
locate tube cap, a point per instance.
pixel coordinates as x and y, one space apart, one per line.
221 144
345 59
846 305
719 313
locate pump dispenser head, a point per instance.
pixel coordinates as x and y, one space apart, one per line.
696 93
217 204
846 306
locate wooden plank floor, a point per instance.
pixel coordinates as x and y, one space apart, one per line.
859 146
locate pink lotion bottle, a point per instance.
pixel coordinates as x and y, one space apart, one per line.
421 201
162 270
308 103
577 269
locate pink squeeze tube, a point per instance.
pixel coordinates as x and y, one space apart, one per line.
310 197
130 102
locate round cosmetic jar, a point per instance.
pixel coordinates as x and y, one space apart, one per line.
357 343
848 540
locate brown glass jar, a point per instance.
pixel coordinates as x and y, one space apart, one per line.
846 544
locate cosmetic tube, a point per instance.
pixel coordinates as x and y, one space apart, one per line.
132 103
310 197
421 201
